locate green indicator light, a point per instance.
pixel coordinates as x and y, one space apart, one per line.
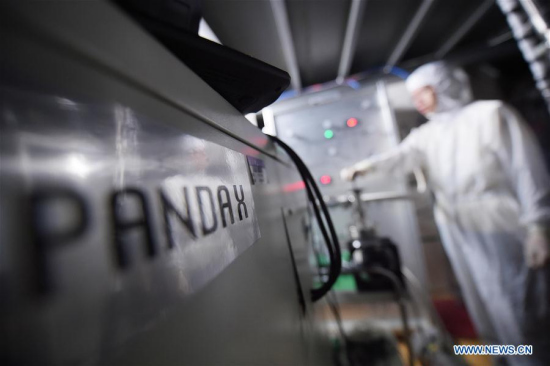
329 134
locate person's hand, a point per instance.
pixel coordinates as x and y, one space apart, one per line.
352 172
348 173
537 247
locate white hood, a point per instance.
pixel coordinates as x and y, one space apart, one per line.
451 85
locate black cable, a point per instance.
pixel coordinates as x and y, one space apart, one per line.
316 294
333 245
331 300
335 308
331 252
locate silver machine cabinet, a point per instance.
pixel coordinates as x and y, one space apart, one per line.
337 127
143 220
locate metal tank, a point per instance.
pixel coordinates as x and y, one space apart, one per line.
143 220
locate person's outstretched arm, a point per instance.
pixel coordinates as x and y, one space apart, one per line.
405 158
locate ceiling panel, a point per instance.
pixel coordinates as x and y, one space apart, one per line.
492 25
318 28
382 26
441 23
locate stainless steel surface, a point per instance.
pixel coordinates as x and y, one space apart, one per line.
101 130
158 179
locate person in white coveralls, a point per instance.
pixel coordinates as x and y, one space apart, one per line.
492 205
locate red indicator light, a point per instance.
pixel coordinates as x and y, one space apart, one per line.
352 122
326 179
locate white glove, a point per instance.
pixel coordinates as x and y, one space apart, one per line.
361 168
537 247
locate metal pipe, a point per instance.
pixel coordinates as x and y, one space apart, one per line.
287 45
350 39
370 197
534 50
495 41
464 28
410 33
536 18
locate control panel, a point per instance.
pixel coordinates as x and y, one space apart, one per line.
337 128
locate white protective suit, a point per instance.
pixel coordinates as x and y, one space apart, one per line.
492 195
